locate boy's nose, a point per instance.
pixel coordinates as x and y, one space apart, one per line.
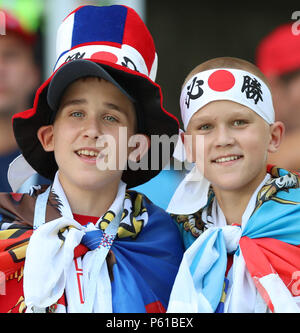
224 137
92 129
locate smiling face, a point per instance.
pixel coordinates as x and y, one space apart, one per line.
236 142
90 109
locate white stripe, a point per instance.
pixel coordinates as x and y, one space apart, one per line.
262 108
279 294
64 35
86 52
154 68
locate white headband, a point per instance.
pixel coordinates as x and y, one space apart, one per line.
226 84
212 85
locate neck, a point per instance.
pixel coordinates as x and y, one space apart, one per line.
84 201
7 138
234 203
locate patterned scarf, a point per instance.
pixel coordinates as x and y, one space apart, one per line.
142 262
266 254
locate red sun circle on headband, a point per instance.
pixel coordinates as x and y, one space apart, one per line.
221 80
105 56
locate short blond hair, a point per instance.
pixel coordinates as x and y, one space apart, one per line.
227 62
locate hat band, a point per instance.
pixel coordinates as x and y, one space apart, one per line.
125 56
226 84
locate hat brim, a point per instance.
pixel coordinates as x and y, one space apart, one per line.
71 72
156 121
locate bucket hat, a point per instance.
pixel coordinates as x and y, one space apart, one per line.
111 42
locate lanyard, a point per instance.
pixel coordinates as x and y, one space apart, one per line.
40 209
99 255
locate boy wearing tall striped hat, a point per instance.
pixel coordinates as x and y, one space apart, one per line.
239 216
88 243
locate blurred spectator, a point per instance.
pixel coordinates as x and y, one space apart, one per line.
19 77
278 57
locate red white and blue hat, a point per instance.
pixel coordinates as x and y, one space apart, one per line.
111 42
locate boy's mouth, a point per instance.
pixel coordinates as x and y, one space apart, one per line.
228 158
87 153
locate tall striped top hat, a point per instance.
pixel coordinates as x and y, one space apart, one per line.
113 43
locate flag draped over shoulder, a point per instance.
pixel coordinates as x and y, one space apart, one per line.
270 242
266 256
142 262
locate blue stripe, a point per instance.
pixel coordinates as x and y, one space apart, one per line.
200 253
92 239
146 266
220 308
206 283
277 220
92 24
59 59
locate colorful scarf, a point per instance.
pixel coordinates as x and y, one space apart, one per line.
141 265
266 255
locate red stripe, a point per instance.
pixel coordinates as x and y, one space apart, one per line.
264 256
229 263
137 36
155 307
264 294
269 168
8 253
113 44
13 297
85 219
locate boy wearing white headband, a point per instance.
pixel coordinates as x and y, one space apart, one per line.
239 217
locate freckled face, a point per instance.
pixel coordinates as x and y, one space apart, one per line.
235 142
90 109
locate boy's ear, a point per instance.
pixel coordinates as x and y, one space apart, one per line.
45 135
277 132
140 144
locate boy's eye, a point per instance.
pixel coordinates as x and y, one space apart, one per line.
110 118
77 114
204 127
239 122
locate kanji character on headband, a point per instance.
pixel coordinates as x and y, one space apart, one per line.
239 217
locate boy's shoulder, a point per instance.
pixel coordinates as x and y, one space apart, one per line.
19 207
140 214
282 187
